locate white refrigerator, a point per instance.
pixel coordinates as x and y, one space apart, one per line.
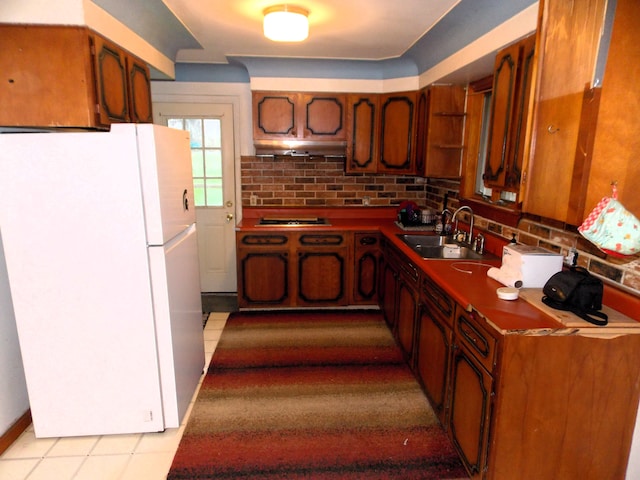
99 237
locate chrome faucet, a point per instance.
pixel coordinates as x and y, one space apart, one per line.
455 214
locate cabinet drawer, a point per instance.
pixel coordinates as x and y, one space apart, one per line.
471 333
322 239
408 270
262 240
364 240
439 303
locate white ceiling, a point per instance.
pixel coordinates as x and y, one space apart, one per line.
396 38
338 29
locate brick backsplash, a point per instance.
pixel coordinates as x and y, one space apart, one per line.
549 234
321 181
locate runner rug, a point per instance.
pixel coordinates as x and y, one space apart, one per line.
312 395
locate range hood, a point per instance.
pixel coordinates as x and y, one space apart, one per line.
300 148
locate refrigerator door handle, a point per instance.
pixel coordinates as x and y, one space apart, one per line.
185 200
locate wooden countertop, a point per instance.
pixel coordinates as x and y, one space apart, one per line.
466 281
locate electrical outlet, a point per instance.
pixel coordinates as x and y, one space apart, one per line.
572 257
366 200
253 200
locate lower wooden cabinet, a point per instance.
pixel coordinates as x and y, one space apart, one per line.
263 270
387 290
366 263
471 392
321 270
298 269
434 345
398 298
407 308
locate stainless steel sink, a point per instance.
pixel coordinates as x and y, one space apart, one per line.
442 247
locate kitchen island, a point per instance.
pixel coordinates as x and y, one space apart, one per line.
523 392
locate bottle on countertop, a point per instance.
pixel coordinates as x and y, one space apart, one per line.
439 226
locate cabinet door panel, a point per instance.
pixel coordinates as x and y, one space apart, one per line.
111 81
324 117
362 143
469 411
502 111
433 359
518 134
139 91
397 133
263 278
406 318
275 115
388 293
321 278
570 34
366 262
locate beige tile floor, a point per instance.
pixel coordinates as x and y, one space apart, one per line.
108 457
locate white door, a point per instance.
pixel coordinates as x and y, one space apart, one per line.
212 159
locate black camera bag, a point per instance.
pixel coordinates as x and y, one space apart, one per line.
577 291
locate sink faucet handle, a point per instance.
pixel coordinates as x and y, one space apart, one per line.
478 244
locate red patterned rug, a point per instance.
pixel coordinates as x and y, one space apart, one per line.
319 395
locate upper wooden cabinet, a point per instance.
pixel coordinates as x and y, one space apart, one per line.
61 76
568 47
139 88
363 126
616 140
439 131
397 133
381 133
286 116
512 81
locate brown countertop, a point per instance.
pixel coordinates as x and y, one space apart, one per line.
466 281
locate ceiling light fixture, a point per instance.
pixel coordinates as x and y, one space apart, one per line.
286 23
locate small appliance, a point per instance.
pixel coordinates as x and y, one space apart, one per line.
526 266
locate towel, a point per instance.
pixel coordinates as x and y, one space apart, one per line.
507 277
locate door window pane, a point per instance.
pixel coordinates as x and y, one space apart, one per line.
212 135
206 158
194 127
214 190
213 163
197 163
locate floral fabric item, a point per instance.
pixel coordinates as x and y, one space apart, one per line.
612 228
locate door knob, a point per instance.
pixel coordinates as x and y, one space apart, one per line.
229 217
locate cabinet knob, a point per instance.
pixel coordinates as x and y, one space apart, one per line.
552 130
